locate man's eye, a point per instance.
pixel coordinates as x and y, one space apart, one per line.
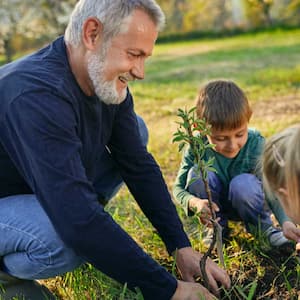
133 54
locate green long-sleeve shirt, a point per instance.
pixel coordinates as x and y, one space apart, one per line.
227 168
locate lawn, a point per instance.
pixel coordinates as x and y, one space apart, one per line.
267 66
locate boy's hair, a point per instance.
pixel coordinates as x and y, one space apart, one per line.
223 104
281 167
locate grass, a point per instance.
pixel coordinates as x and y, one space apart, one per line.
267 67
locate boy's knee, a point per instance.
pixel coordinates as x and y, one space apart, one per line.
245 187
194 187
197 187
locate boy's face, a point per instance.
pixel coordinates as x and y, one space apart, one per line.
229 142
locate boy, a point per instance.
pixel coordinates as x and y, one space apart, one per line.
236 187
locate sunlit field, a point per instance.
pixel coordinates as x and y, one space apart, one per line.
267 66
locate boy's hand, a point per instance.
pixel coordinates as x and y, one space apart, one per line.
291 231
188 263
200 206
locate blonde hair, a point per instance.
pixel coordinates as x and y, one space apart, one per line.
223 104
281 168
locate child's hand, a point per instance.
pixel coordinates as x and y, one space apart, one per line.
291 231
298 247
200 206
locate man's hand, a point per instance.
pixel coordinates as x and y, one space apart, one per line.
187 261
191 291
291 231
200 206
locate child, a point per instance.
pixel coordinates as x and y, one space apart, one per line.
236 187
281 172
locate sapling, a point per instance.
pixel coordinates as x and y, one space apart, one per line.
192 131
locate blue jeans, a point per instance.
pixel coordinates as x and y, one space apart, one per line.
243 201
29 245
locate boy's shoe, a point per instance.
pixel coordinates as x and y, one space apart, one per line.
12 288
276 237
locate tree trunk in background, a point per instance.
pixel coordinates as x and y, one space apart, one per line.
177 17
267 5
238 15
222 15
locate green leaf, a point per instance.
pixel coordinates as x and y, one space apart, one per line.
211 169
178 138
181 146
252 290
210 161
192 110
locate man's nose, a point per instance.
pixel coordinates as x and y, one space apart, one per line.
138 70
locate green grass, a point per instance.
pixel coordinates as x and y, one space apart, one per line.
267 67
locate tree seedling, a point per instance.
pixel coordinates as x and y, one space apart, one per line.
192 131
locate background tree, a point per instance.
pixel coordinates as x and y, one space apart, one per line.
31 20
259 12
28 24
293 11
238 13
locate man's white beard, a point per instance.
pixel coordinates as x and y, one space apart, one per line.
105 90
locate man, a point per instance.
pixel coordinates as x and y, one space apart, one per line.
66 119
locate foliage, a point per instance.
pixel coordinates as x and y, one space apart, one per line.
221 15
43 20
193 131
31 18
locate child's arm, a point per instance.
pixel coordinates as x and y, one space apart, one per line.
277 209
289 229
180 193
189 202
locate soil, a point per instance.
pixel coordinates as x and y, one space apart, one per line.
280 277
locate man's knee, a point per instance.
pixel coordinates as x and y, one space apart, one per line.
58 257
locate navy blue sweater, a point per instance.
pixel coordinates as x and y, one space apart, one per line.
52 137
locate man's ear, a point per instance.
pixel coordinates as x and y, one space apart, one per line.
92 33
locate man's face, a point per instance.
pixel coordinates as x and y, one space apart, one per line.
229 142
122 59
